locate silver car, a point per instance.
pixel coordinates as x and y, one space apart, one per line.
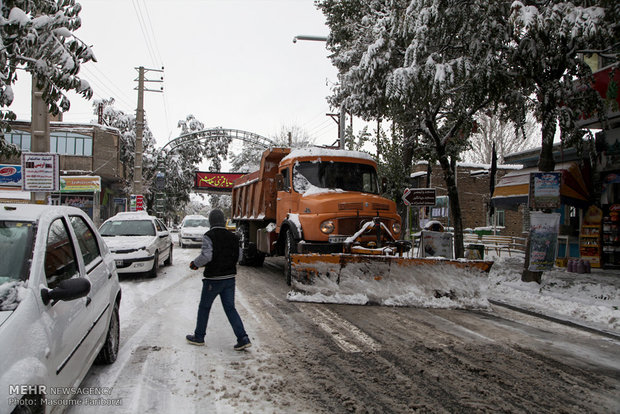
193 227
59 304
139 242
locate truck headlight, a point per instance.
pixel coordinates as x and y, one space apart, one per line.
327 226
396 228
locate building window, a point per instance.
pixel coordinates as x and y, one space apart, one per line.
441 207
20 138
500 218
70 143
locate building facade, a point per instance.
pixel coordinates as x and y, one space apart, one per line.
91 174
473 184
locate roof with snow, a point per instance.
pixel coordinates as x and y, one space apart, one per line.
327 152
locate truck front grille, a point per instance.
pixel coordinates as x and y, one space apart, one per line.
350 226
350 206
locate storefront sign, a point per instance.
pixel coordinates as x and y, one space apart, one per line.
543 240
80 184
419 197
40 171
545 190
215 181
11 175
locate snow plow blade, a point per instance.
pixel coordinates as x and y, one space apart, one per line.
389 280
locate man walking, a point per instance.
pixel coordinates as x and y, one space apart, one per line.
219 255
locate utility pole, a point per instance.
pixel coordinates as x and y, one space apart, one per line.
40 129
137 173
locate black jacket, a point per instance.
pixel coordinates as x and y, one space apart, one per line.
225 253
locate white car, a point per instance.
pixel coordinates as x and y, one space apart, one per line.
193 227
139 242
59 305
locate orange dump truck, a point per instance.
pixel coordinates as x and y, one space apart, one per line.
322 210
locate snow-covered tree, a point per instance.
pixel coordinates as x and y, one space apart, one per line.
508 139
248 159
126 124
37 37
428 65
547 38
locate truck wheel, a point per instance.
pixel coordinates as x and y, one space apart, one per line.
289 248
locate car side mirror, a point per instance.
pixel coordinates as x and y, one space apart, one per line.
68 289
279 182
384 185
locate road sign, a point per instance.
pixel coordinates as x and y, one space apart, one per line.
419 197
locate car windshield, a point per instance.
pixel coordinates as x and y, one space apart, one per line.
335 175
196 223
15 258
127 228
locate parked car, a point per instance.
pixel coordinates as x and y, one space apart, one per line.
193 227
139 242
59 304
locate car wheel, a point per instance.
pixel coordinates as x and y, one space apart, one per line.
153 272
109 352
168 261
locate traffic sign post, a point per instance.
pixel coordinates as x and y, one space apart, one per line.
420 197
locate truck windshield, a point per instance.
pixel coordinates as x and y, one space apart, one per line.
335 175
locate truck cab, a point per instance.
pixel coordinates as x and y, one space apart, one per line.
310 201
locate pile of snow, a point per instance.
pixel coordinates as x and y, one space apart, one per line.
589 299
438 285
11 293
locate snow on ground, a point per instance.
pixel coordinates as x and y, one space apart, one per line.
591 299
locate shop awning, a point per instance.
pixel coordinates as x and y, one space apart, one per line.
513 188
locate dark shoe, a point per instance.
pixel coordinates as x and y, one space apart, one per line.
193 339
242 344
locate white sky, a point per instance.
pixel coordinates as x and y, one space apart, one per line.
231 63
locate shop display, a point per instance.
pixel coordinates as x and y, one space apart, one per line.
611 236
590 237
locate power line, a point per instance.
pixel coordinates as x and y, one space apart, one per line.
142 24
153 37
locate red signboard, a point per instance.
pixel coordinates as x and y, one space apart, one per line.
215 181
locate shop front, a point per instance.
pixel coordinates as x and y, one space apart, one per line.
81 192
608 157
513 190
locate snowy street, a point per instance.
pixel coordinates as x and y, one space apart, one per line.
342 358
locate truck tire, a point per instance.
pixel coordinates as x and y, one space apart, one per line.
289 248
250 256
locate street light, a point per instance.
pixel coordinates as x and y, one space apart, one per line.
313 38
341 120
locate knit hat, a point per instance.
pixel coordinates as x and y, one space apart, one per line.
216 218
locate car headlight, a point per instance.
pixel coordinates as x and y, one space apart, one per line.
328 226
396 227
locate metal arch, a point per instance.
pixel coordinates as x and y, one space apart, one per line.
218 132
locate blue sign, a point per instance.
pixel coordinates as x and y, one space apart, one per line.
11 175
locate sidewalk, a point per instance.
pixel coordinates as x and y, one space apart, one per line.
589 299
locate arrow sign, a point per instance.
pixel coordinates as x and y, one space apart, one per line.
419 197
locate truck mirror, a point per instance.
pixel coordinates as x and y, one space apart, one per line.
384 185
279 182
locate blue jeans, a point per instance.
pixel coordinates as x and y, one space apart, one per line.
226 289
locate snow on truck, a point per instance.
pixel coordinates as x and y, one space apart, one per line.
322 210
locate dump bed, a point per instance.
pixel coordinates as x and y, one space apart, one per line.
254 194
